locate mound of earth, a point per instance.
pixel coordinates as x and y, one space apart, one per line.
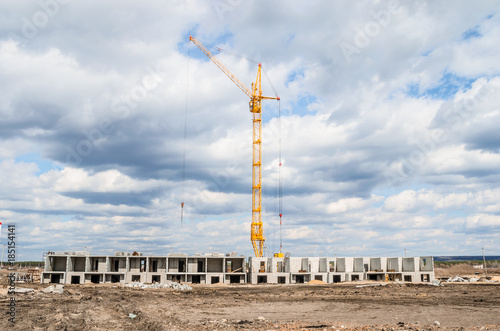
316 282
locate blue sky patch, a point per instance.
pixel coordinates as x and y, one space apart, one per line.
448 86
471 33
43 165
270 108
302 104
294 75
427 53
413 90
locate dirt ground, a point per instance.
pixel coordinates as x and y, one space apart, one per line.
474 306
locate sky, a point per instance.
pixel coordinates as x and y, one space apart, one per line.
387 126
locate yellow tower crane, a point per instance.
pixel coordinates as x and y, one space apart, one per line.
256 97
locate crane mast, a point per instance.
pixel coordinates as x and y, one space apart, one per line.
255 94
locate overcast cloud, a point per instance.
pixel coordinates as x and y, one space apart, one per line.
389 126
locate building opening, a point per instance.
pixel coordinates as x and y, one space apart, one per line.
281 280
318 277
408 278
117 265
115 278
261 279
215 280
136 278
234 279
95 279
75 279
354 277
200 266
182 266
156 278
376 277
394 277
299 279
196 279
155 266
337 279
55 278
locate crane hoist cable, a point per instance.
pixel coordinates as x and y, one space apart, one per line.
280 186
183 175
256 97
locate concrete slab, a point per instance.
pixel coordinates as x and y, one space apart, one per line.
23 290
54 289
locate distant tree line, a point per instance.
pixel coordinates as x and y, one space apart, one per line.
447 264
25 264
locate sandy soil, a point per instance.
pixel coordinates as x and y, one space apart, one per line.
252 307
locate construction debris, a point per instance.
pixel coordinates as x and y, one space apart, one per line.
23 290
35 275
458 279
172 285
370 285
23 277
58 289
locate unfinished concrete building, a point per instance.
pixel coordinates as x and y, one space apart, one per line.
293 270
408 269
272 270
82 267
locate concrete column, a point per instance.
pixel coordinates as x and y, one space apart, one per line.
47 266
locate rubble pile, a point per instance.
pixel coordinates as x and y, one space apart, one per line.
458 279
171 285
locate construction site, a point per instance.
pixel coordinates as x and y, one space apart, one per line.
226 305
78 290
